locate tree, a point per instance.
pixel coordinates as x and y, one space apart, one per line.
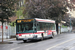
71 8
6 10
52 9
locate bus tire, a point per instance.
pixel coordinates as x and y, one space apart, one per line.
52 35
42 37
24 41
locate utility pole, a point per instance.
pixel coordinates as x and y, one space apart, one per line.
70 15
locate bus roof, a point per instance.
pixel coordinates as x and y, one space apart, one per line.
41 20
44 20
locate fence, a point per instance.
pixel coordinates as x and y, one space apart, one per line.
8 31
12 31
64 30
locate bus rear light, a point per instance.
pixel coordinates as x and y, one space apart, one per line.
20 35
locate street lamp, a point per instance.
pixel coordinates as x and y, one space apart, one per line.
70 12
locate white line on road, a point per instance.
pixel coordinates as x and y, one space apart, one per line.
19 47
29 44
60 44
15 48
71 47
7 46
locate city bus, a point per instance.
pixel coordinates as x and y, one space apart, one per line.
35 29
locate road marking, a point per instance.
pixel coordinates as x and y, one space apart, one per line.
19 47
15 48
29 44
7 46
70 47
59 44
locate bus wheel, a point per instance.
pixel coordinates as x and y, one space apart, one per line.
24 41
52 35
42 37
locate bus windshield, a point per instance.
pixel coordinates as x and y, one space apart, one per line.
25 28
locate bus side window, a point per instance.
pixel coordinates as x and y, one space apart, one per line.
38 26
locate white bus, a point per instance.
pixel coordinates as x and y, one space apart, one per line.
34 29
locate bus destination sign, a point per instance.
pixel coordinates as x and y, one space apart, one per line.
26 20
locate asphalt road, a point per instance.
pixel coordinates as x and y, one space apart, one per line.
65 41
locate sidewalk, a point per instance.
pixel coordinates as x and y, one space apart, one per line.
12 39
68 32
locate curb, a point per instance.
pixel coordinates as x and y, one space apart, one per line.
8 39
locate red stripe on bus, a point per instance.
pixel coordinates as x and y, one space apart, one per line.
38 32
29 33
33 33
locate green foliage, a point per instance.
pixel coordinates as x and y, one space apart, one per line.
7 9
19 13
12 23
64 26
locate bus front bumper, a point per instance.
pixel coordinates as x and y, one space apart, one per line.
33 38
